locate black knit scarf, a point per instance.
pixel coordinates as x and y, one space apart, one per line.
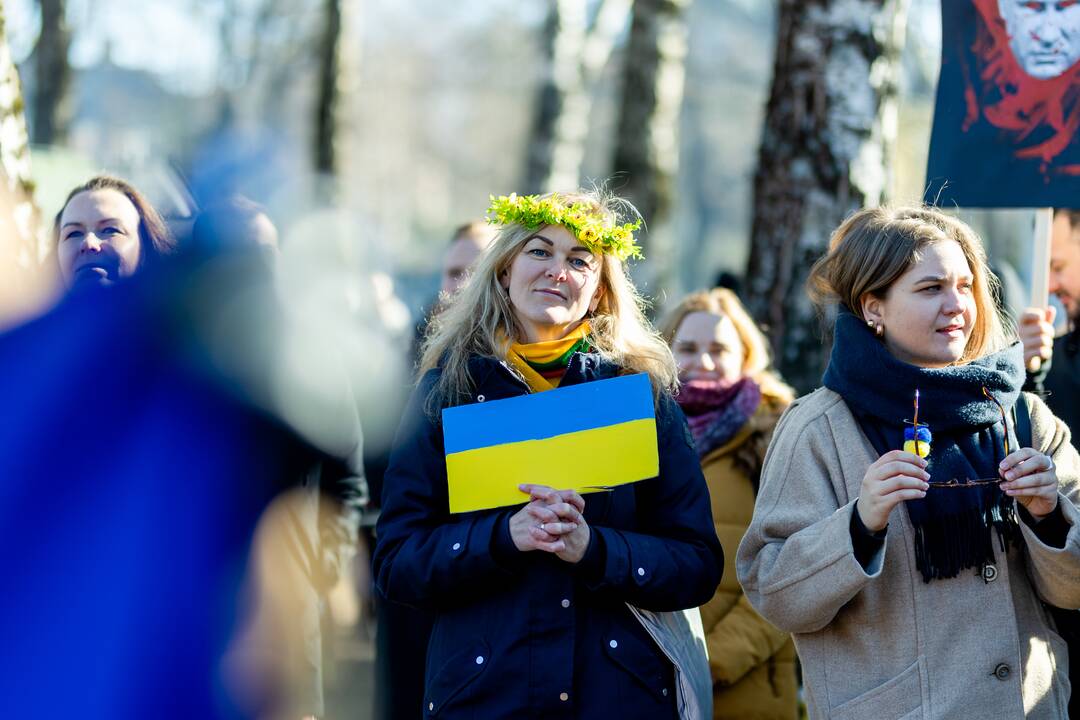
954 527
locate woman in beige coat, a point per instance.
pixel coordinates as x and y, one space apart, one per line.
732 402
914 580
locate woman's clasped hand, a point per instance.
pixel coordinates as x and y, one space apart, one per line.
551 522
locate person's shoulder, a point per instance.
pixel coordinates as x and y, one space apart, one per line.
427 401
1066 352
813 407
773 405
427 382
1037 407
765 419
478 369
1044 423
812 418
810 437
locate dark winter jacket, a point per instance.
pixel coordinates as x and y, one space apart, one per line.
1062 383
526 634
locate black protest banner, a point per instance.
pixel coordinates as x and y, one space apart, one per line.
1008 105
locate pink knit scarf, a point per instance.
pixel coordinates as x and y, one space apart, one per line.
716 411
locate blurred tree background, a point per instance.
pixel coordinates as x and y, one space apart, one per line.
407 115
21 289
743 130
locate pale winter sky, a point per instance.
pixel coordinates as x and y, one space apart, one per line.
161 36
178 39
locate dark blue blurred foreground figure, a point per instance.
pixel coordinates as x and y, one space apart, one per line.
304 543
132 478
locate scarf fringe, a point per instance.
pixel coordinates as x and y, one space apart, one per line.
947 545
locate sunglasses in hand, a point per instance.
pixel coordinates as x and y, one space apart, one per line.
968 482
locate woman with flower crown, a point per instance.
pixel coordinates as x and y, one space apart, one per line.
532 602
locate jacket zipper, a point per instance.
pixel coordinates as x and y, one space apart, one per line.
516 378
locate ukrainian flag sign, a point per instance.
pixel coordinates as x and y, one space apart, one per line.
586 437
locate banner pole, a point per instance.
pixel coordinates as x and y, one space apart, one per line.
1040 267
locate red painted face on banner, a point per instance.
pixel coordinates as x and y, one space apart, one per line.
1044 36
1027 67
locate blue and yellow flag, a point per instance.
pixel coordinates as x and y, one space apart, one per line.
586 437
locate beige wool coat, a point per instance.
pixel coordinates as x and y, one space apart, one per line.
880 643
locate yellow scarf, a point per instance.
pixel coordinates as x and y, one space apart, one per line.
554 354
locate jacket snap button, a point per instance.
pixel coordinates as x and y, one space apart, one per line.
989 573
664 691
614 644
641 571
480 398
1002 672
565 603
564 697
430 706
479 659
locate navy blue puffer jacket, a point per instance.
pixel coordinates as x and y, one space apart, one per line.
521 635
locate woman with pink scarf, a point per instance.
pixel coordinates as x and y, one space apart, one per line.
732 402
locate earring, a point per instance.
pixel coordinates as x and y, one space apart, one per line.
879 330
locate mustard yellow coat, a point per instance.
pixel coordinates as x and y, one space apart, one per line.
753 663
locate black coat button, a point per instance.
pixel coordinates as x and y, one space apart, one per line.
1002 672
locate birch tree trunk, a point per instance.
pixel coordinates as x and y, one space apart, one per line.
825 151
52 75
22 286
647 141
575 56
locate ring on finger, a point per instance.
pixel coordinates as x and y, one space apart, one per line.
542 527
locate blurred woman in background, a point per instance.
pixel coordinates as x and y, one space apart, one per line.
107 230
733 401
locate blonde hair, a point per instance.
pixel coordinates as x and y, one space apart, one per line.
480 319
723 302
874 247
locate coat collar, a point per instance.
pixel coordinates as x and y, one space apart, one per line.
583 367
